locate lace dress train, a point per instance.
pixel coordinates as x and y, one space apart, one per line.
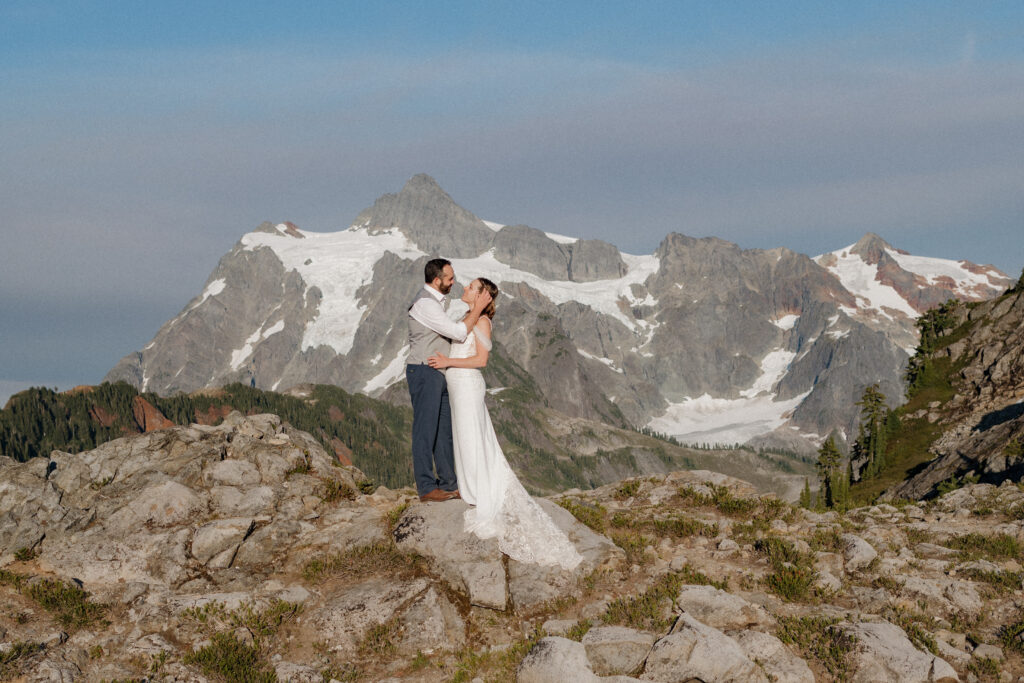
503 509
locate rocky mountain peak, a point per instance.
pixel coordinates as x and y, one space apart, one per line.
871 248
430 218
423 183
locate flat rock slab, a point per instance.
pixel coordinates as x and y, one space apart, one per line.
556 660
721 610
882 652
696 651
344 619
614 650
469 565
778 662
432 622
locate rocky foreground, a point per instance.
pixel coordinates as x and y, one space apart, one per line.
244 552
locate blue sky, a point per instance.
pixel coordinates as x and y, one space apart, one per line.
139 141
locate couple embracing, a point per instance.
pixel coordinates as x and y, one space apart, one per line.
454 448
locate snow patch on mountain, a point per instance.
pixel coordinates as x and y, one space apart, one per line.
394 372
710 420
239 356
338 263
861 279
601 295
773 368
212 289
786 322
561 239
936 269
607 361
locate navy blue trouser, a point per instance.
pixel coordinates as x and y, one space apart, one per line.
431 430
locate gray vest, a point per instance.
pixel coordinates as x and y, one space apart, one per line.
423 341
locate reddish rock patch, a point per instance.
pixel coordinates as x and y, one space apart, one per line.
334 412
148 417
343 452
98 414
213 414
292 230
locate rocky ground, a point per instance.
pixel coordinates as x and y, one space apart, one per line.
243 552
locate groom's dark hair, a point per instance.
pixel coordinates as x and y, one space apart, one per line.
434 269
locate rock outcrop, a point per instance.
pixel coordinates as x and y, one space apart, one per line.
170 554
983 424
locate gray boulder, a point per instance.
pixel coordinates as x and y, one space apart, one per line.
555 660
778 662
613 650
857 552
432 622
695 651
344 619
469 565
718 609
882 652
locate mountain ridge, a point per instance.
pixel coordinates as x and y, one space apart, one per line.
700 330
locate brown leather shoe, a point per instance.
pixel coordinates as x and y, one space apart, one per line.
435 496
455 494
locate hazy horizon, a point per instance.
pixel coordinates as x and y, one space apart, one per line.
139 142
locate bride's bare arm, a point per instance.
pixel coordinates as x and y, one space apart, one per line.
439 360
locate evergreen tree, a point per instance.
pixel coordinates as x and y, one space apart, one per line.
930 326
829 459
871 439
1019 287
805 495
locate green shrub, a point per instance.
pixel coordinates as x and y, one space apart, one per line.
334 490
976 546
228 658
791 583
357 562
792 572
25 554
68 603
594 515
818 639
1012 636
12 660
379 641
678 526
628 489
578 630
646 611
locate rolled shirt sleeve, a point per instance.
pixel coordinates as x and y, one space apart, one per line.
428 312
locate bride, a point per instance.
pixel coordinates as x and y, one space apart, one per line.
503 509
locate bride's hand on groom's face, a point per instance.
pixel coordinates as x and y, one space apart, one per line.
482 299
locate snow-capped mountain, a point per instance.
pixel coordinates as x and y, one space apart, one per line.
892 287
701 339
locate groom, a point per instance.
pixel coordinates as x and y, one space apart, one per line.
431 331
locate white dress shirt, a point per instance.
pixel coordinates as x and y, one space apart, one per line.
430 313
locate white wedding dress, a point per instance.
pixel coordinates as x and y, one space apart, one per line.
503 509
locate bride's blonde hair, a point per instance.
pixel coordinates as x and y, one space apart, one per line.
493 290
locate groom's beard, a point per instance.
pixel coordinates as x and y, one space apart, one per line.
445 290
